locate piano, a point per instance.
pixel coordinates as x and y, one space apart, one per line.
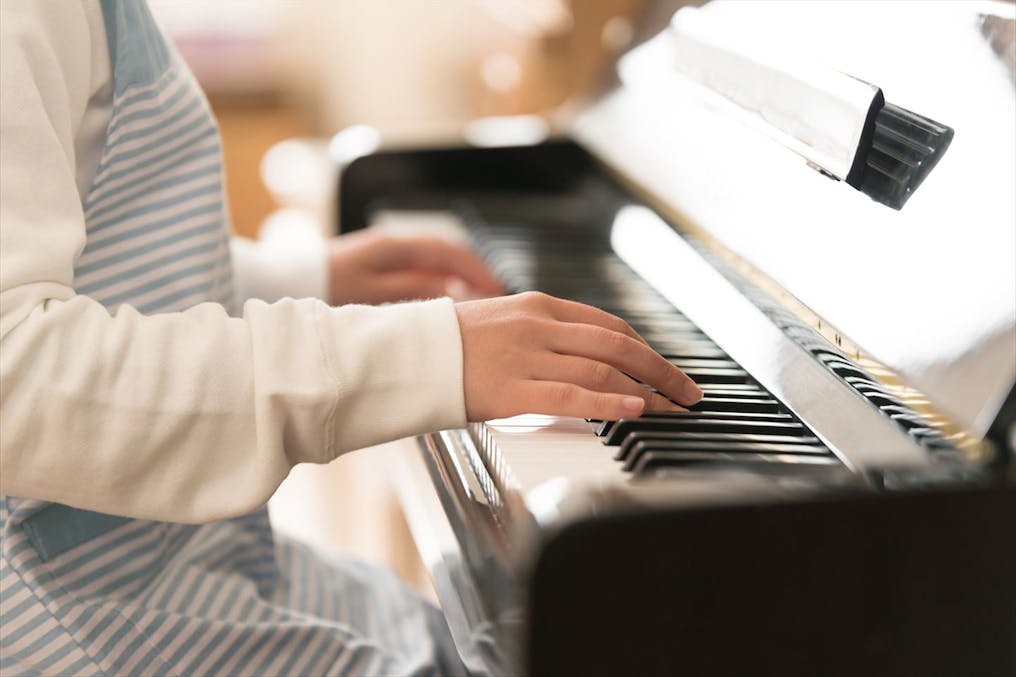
830 252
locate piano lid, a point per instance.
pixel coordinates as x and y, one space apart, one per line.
929 290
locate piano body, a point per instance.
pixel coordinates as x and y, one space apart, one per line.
842 501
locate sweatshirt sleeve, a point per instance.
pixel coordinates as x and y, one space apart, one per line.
189 416
290 260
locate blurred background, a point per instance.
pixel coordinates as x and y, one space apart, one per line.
417 70
284 76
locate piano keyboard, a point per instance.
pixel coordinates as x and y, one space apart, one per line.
737 424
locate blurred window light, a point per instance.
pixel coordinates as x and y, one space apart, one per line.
353 142
507 130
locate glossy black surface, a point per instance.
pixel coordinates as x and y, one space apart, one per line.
849 584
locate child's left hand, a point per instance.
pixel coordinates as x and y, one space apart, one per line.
371 267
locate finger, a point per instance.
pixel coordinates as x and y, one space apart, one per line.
628 355
573 311
596 376
568 399
436 255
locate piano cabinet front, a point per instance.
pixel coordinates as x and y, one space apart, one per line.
747 580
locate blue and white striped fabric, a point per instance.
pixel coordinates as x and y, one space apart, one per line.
155 214
83 593
221 599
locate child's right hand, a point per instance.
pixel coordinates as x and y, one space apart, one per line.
533 353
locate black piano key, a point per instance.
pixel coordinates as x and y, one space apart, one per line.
662 459
663 326
880 400
662 333
703 363
639 304
865 382
844 369
909 421
676 332
693 350
657 437
748 401
716 376
680 416
657 420
897 409
672 315
746 391
758 424
754 405
871 389
929 436
720 448
680 340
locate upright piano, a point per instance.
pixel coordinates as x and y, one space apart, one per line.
811 209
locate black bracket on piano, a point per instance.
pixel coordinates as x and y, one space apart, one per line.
898 150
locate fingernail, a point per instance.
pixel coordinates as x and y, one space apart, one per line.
692 393
634 404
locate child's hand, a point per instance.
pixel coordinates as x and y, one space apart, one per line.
370 267
533 353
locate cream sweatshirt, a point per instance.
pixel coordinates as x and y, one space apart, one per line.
189 416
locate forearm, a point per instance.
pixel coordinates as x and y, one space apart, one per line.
195 416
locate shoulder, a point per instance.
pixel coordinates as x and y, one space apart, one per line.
55 46
55 23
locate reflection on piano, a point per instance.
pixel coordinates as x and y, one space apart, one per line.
842 499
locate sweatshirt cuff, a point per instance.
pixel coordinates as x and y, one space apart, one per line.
397 371
273 268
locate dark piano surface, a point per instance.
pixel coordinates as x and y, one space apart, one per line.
811 516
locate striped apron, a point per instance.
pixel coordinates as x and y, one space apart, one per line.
86 593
